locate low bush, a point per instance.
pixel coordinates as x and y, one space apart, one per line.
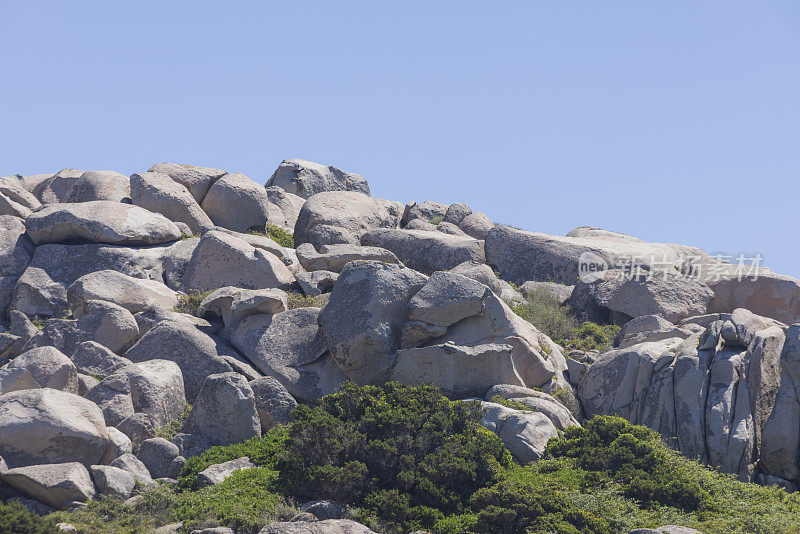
190 301
14 517
557 321
281 236
298 300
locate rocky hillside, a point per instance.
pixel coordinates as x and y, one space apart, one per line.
147 319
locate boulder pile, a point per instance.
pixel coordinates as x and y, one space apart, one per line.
126 301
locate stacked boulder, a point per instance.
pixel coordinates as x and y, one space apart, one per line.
145 319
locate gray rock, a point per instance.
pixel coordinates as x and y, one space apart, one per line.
94 359
334 257
57 484
138 427
85 384
274 404
427 211
7 344
446 298
233 305
671 296
456 370
176 466
42 287
224 411
157 390
420 224
16 380
484 274
16 252
520 256
647 328
451 229
223 260
237 202
99 185
197 180
426 251
100 221
290 347
133 294
328 526
108 324
131 464
118 445
363 319
769 295
323 510
536 401
316 283
50 426
112 481
340 217
113 396
284 207
305 178
477 225
16 201
157 454
197 354
214 474
56 187
525 434
158 193
456 212
49 368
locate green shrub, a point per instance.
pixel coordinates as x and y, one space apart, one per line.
281 236
543 311
14 517
189 302
169 430
261 451
408 454
436 219
298 300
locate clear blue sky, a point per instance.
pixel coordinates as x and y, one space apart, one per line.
672 121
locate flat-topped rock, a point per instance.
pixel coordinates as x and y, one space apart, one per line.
426 251
100 221
305 178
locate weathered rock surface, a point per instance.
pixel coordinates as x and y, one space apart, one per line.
158 193
274 404
113 481
237 202
99 185
521 256
197 180
49 367
224 411
50 426
340 217
16 252
223 260
214 474
290 347
197 354
426 251
157 455
133 294
364 317
55 188
92 358
57 484
525 434
234 305
334 257
104 322
305 178
100 221
16 380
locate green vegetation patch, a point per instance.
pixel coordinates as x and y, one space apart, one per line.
555 320
14 517
280 235
298 300
189 302
406 458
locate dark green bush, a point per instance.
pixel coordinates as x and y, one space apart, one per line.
261 451
407 452
189 302
15 518
633 456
